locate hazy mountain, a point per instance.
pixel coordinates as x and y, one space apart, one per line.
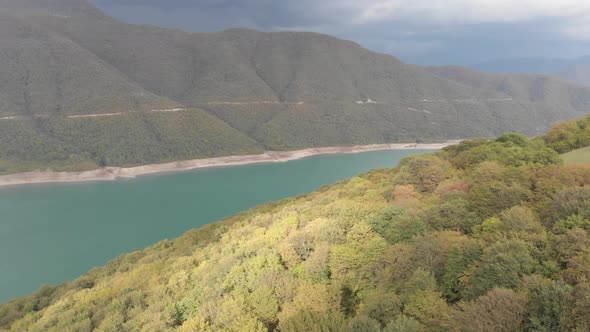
579 73
530 65
575 70
540 89
58 8
279 90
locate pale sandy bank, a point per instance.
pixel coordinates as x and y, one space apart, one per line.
114 173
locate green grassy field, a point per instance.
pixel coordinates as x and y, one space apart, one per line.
579 156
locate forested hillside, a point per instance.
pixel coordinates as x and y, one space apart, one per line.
78 144
61 60
481 236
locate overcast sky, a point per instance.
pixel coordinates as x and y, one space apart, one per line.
417 31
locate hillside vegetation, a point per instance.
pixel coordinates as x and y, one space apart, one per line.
569 135
481 236
76 144
278 91
579 156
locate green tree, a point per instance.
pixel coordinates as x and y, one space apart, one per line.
502 265
425 172
419 281
581 306
517 222
460 258
264 304
431 310
405 227
487 199
569 135
354 262
499 310
404 323
515 139
452 215
363 324
314 322
566 203
550 307
382 307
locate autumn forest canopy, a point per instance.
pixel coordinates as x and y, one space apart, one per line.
481 236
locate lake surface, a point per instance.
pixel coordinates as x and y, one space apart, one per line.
56 232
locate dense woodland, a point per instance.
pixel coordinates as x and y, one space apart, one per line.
249 91
481 236
76 144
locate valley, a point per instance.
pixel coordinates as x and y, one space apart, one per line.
288 166
383 249
115 173
89 224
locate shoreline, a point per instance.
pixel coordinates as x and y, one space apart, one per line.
116 173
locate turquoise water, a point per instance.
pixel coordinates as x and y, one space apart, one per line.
56 232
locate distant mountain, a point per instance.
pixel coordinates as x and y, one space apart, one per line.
531 65
81 88
542 90
576 70
579 73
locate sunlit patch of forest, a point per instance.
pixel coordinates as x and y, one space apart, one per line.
481 236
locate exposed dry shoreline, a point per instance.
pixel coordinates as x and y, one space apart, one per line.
114 173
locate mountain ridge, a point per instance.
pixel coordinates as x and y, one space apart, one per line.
275 90
579 73
530 65
573 69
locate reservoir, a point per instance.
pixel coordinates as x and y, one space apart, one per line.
52 233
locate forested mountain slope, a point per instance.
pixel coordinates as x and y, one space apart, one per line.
543 92
481 236
42 73
269 91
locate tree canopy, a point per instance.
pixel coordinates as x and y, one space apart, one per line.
481 236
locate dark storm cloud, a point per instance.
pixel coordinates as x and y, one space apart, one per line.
415 30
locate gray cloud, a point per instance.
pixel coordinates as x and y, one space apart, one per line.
261 13
418 31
